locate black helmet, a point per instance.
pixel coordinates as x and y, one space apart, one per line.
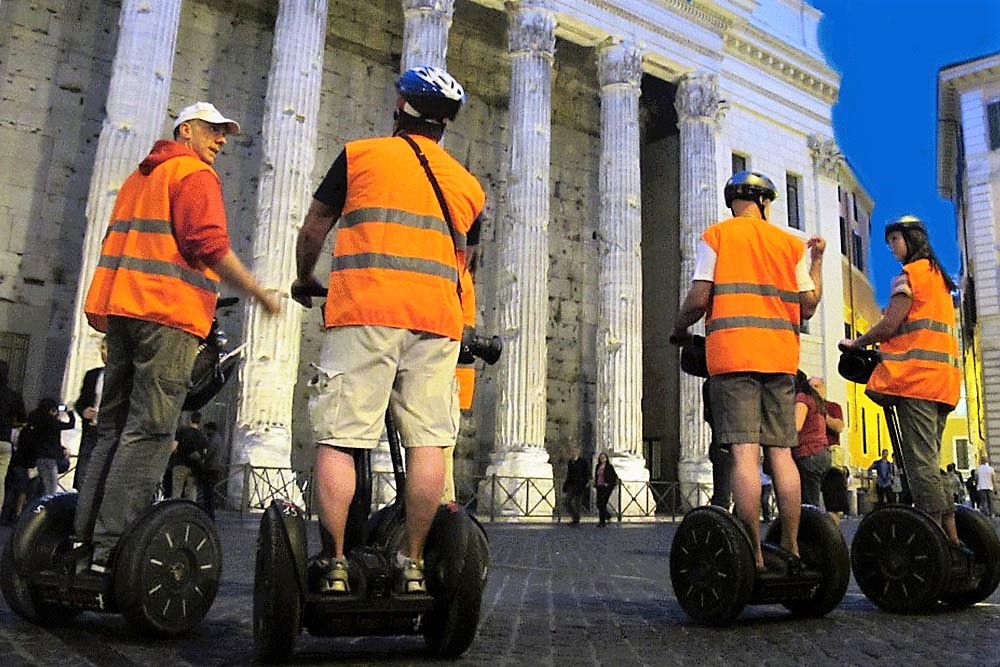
430 93
904 224
749 186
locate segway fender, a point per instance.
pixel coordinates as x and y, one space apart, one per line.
445 551
291 518
39 518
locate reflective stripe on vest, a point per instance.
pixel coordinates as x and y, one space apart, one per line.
395 261
922 359
753 320
141 273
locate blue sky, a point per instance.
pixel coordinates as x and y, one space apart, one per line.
888 53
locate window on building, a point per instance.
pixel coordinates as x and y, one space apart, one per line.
739 162
859 251
848 330
792 187
993 117
864 433
14 350
962 453
843 236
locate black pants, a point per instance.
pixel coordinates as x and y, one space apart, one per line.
603 496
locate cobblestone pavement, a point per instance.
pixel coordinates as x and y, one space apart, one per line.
556 595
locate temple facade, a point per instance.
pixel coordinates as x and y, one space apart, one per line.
603 132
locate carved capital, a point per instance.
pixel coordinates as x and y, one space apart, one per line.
442 7
698 98
619 62
826 155
531 28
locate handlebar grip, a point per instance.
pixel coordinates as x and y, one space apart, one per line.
299 291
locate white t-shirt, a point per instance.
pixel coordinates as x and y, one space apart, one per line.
705 259
984 477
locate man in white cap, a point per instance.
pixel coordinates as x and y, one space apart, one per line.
154 294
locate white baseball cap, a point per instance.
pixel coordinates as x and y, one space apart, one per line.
207 112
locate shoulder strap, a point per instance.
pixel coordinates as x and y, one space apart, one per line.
437 191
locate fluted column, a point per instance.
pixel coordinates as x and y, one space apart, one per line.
425 32
700 111
524 248
136 109
271 359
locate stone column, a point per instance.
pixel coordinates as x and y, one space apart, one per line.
519 450
136 110
699 111
619 328
425 32
263 434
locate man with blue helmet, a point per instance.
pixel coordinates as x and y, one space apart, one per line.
409 220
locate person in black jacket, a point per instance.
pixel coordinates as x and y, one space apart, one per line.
47 425
577 481
12 415
23 483
605 481
86 406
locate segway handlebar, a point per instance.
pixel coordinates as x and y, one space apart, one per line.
474 346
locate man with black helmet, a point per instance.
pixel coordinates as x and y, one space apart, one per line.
919 372
756 283
409 217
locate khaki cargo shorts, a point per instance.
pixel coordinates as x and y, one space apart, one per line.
364 369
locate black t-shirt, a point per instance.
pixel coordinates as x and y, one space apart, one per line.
191 446
333 192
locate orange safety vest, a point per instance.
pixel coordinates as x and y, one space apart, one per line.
753 318
921 360
466 373
141 273
395 261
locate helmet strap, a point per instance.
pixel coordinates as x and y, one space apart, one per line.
760 206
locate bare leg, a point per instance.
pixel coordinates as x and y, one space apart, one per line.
950 527
424 483
789 491
334 490
746 492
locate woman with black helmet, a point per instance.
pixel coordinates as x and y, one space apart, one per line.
919 372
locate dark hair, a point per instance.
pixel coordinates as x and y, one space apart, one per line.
407 123
42 414
918 246
802 386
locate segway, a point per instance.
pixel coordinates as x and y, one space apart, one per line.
712 564
900 556
456 562
164 573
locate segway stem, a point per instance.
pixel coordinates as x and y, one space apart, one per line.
395 453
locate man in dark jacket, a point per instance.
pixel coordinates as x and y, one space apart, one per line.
12 414
86 406
575 486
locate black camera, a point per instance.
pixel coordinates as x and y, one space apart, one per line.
482 347
857 365
693 359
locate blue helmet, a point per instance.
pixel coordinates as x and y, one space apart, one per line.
430 93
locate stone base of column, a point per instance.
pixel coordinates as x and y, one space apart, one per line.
261 469
518 485
696 483
633 497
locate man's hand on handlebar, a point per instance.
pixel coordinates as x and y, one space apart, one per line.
303 291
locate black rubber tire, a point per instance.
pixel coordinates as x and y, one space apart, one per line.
712 566
822 548
51 528
451 627
167 569
977 533
277 600
900 559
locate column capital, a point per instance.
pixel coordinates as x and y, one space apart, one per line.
531 27
698 98
826 156
619 62
443 7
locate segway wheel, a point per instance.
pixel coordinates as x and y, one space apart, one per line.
42 534
712 566
277 599
167 569
900 559
977 533
823 549
456 563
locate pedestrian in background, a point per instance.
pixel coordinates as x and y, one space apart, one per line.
883 467
576 484
985 485
12 416
605 481
86 406
812 455
190 451
47 423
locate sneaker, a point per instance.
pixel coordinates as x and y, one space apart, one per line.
409 575
333 575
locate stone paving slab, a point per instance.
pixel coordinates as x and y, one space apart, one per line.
556 595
